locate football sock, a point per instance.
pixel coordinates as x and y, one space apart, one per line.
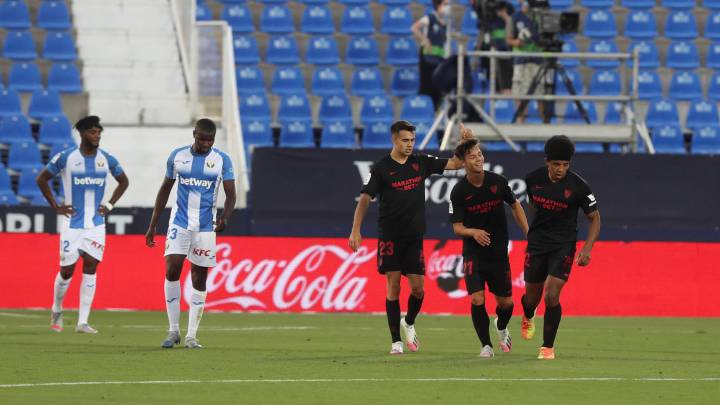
551 324
61 287
414 305
172 304
392 308
529 311
87 293
197 303
503 315
481 322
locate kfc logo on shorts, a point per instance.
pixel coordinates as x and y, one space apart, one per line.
201 252
568 193
97 245
493 188
416 166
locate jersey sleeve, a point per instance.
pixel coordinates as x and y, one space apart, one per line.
588 203
456 208
227 173
57 163
508 195
170 171
434 164
114 165
372 183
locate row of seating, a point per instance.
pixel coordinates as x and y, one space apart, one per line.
53 130
59 46
26 77
641 24
27 189
51 15
44 103
679 55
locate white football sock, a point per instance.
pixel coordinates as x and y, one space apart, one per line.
61 287
87 293
172 303
197 303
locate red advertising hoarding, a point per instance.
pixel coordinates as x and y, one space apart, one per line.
323 275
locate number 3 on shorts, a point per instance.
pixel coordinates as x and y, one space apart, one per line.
173 233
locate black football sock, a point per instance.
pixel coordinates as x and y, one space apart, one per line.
414 305
503 315
528 310
551 324
481 322
392 308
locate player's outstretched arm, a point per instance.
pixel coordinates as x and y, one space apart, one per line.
519 214
481 237
122 186
230 198
360 211
160 202
454 163
583 258
42 181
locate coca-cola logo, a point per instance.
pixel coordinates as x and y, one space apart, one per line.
320 277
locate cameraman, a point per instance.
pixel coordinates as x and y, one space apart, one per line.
491 23
430 31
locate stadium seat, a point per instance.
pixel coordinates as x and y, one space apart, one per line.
683 55
54 130
575 79
403 2
640 24
605 82
362 51
603 4
702 113
246 50
322 51
685 86
712 26
705 140
239 18
317 20
569 47
600 24
711 4
65 78
421 130
532 115
327 80
713 56
496 146
479 82
335 108
377 135
27 187
357 20
56 148
203 12
19 45
649 85
287 80
257 133
15 128
25 76
678 4
59 47
405 82
638 4
603 46
338 134
535 147
283 50
668 139
54 15
649 57
396 21
24 155
9 103
504 111
572 113
14 15
354 2
366 81
662 112
276 19
7 195
376 108
614 113
402 51
681 25
249 80
469 25
255 107
713 90
589 147
297 134
45 103
418 108
294 107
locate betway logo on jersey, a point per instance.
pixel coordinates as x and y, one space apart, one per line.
88 181
192 181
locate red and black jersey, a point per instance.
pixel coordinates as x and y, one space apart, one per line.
482 208
400 189
555 207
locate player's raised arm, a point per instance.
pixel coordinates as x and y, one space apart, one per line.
455 163
160 202
583 258
230 197
360 211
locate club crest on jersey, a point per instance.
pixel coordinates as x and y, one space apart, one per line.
567 193
101 164
493 188
416 167
210 164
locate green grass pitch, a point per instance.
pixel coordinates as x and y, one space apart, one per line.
342 359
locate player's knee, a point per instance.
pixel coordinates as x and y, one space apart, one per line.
478 298
504 302
552 298
89 266
417 291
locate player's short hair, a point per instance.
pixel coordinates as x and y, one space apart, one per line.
436 4
464 147
206 125
89 122
401 125
559 147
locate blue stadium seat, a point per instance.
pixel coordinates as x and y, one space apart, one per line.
59 47
249 80
357 20
239 18
396 21
377 108
322 51
14 15
702 113
603 46
649 85
19 45
683 55
335 108
678 4
287 80
377 135
640 24
7 195
572 114
649 57
603 4
203 12
65 78
668 139
496 146
533 113
294 107
25 76
402 51
315 2
9 103
276 19
405 82
614 113
569 47
266 2
589 147
713 56
297 134
619 148
400 2
27 187
479 82
366 81
327 80
56 148
45 103
535 147
255 107
706 140
257 133
662 112
685 86
638 4
418 108
362 51
712 4
246 50
283 50
24 155
354 2
713 90
54 15
600 24
504 111
681 25
317 20
605 82
469 25
712 26
54 130
575 79
15 128
421 130
338 134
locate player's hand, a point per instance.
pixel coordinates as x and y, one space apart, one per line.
354 241
150 237
220 224
465 133
103 211
481 237
583 258
66 210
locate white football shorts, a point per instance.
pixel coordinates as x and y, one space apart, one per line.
74 241
199 247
